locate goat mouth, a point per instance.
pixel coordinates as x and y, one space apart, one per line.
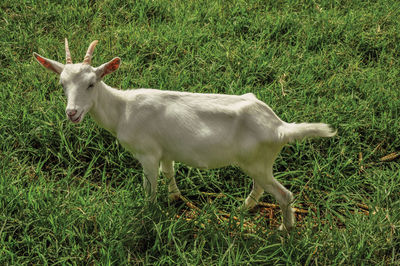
77 120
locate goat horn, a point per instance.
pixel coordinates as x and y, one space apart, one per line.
88 56
67 53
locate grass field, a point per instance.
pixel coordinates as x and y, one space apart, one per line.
72 195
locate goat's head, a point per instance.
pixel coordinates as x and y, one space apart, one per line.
79 80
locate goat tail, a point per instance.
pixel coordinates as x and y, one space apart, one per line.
292 131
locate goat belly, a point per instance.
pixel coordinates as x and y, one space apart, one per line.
203 145
206 158
203 150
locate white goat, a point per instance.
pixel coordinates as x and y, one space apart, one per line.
200 130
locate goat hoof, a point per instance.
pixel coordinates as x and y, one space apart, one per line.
247 210
174 196
284 228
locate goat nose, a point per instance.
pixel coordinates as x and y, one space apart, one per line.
71 113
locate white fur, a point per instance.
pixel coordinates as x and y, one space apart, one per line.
201 130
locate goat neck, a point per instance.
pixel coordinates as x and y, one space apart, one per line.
107 108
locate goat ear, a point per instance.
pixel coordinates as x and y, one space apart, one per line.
108 67
54 66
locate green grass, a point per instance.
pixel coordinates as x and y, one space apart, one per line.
72 195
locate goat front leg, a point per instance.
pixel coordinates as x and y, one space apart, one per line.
150 168
167 168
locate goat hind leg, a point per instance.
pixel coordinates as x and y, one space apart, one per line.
284 198
254 196
264 178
